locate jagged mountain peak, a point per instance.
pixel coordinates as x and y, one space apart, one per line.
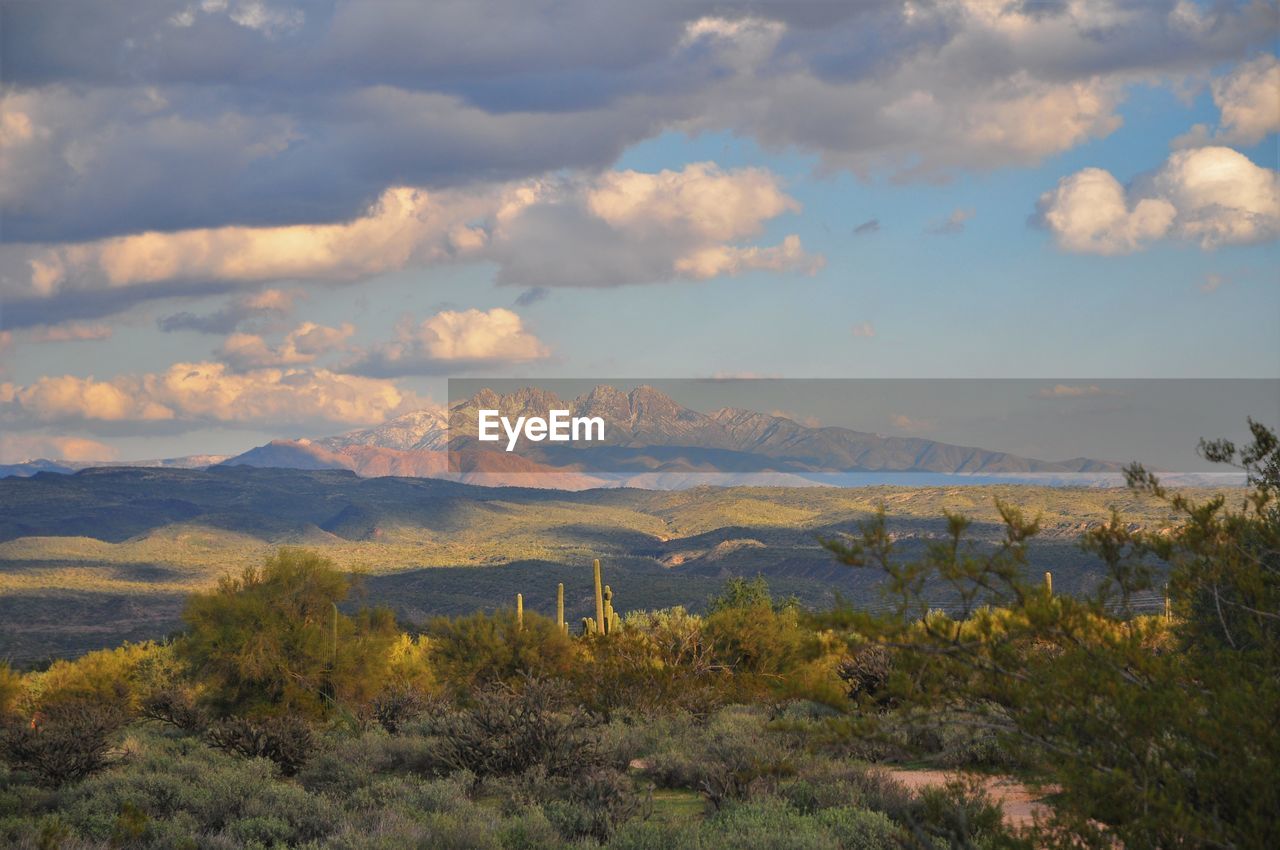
418 429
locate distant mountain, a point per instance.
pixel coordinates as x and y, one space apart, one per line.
647 423
30 467
421 430
67 467
650 441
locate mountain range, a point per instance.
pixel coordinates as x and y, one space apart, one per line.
650 441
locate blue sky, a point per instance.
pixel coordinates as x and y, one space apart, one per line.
561 226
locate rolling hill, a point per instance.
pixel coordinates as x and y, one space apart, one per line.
110 553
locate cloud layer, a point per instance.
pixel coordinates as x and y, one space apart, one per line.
192 395
1210 197
151 116
616 228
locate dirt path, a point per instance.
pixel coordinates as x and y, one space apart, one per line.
1019 803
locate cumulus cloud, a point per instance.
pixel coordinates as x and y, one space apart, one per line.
193 395
635 227
18 448
615 228
453 340
1209 196
269 304
1248 101
304 344
148 116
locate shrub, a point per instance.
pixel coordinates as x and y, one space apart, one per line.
176 707
593 805
657 835
273 639
192 794
730 758
470 652
865 674
768 824
10 689
861 829
509 729
396 705
286 740
64 742
659 662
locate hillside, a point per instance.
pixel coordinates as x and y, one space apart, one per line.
91 558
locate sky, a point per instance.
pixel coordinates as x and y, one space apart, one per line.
225 222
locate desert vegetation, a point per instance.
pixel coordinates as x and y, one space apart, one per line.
280 716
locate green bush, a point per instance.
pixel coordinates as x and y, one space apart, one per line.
731 757
861 829
473 651
766 824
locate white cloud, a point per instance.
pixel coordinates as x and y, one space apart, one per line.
639 227
1248 100
190 395
1222 198
1089 212
454 340
304 344
1211 196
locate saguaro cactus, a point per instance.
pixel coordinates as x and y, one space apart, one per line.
1048 582
520 611
599 621
334 633
564 627
611 619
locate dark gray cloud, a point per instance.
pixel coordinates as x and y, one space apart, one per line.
532 296
871 225
144 114
270 304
